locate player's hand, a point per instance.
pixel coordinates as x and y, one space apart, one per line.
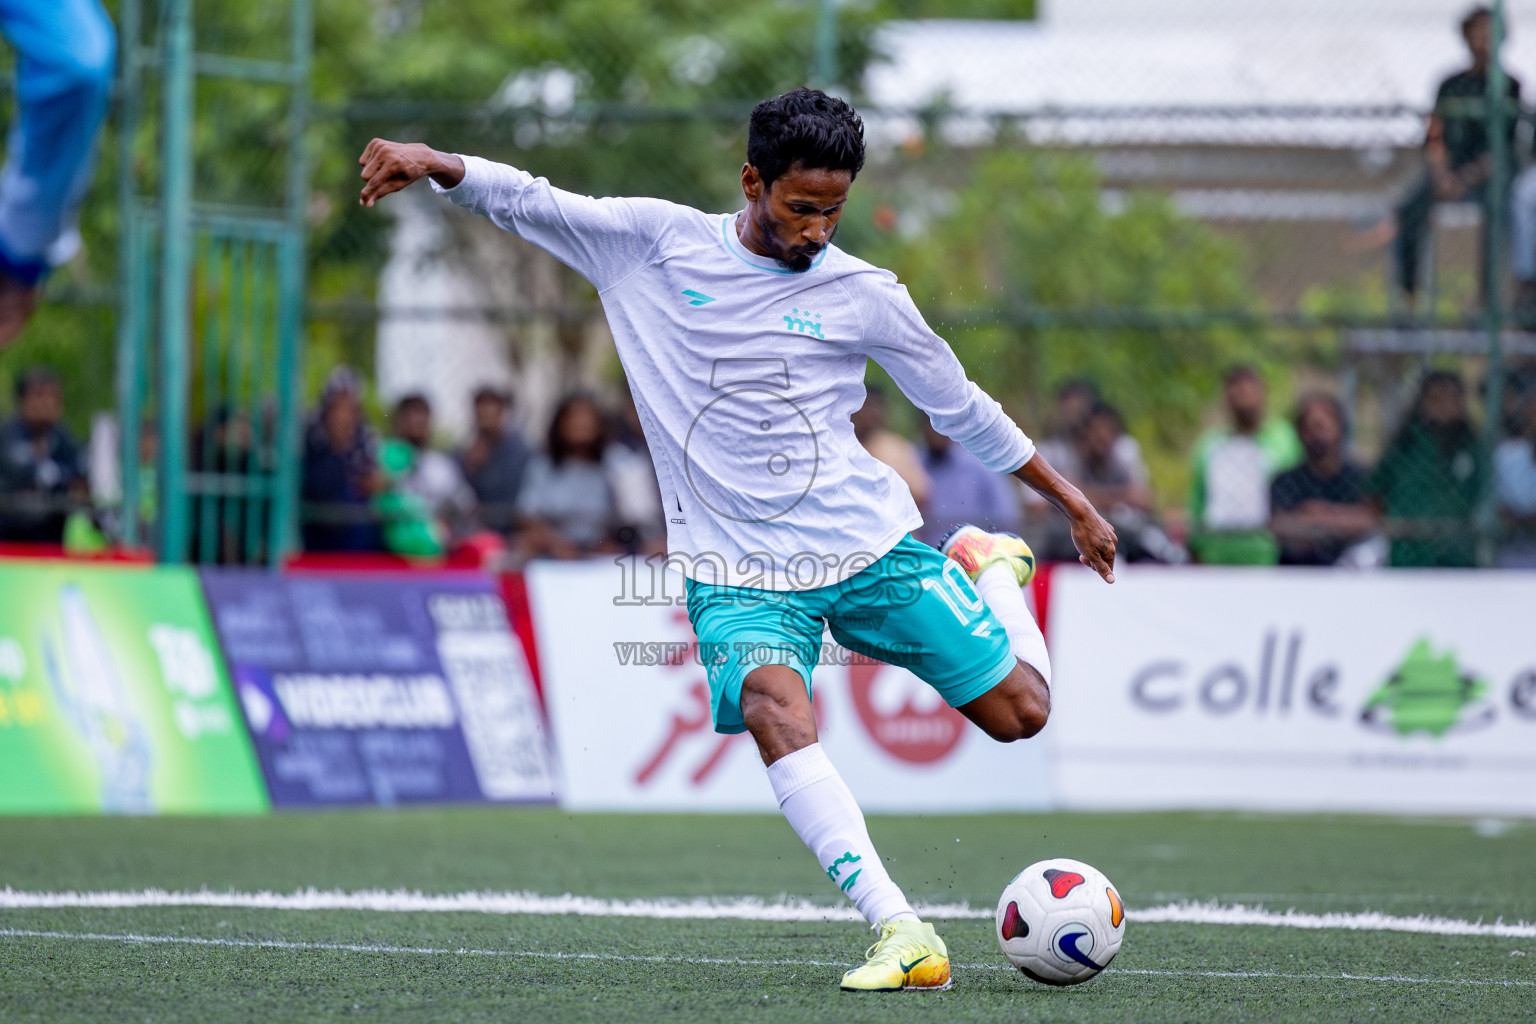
390 166
1095 540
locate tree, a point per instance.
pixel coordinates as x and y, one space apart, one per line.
990 247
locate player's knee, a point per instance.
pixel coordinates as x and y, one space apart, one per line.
774 704
1027 711
1021 725
762 712
1033 718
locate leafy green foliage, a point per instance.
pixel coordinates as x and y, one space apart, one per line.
607 97
990 248
649 98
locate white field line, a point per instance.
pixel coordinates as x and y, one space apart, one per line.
738 909
131 938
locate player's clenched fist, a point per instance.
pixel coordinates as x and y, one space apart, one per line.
390 166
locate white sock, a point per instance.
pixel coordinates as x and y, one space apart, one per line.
999 587
824 815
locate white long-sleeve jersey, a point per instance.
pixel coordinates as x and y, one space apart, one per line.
744 374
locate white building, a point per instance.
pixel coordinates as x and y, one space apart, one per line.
1117 70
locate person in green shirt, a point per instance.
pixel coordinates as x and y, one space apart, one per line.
1431 477
1233 465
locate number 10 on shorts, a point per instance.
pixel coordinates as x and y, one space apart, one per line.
956 591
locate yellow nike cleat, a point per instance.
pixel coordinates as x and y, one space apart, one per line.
975 549
909 957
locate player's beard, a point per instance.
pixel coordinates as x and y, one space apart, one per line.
800 258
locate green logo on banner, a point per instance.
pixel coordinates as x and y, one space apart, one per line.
1428 693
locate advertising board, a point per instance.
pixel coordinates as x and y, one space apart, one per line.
1296 689
113 697
382 688
629 706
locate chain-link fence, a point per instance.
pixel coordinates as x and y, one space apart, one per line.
1138 199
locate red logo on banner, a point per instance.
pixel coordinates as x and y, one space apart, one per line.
903 714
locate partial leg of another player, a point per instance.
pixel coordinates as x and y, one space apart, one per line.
66 51
820 808
1001 564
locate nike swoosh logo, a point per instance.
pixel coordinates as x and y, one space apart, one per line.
1069 943
907 967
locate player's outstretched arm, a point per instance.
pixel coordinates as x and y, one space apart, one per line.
390 166
603 240
1095 538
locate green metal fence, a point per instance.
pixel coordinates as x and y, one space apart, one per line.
211 296
1096 261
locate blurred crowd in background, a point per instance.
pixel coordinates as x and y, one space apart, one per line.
1180 239
1265 488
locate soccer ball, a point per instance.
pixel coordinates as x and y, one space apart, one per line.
1060 921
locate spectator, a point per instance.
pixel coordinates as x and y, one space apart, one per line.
1229 496
221 446
580 495
1064 450
963 490
1320 508
1519 381
495 460
41 466
341 474
424 473
1430 478
1514 470
1112 475
871 428
1110 481
638 489
1076 401
1455 149
1116 480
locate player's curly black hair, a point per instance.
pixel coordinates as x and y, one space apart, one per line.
805 126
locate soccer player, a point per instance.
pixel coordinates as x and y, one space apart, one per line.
745 338
64 72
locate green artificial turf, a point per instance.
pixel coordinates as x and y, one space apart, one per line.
477 967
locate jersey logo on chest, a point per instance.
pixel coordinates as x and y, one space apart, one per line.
804 322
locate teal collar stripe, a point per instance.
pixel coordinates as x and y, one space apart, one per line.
755 261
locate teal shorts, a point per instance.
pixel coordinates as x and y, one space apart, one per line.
911 607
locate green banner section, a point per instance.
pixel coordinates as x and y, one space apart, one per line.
113 696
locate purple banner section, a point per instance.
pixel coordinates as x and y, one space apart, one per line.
381 689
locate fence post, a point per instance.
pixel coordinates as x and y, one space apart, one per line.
1498 188
175 276
283 528
132 316
824 66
